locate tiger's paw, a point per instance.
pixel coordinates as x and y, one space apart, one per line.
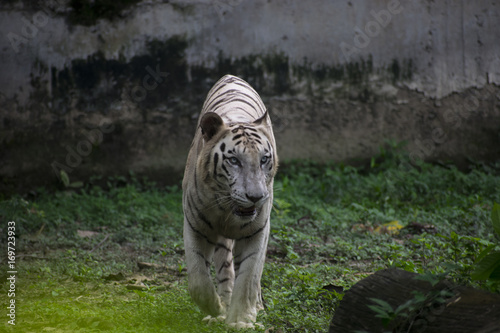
209 319
242 325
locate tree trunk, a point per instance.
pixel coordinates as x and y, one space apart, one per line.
441 308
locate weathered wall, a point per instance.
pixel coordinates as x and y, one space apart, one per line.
110 86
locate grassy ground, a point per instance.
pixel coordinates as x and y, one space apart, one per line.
77 252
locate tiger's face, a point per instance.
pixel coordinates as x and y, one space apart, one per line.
242 164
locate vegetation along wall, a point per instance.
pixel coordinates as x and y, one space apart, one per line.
104 87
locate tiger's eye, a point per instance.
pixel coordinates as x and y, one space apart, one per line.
234 161
264 159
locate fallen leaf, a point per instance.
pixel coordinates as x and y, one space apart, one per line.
418 228
143 265
136 287
389 228
86 233
138 278
360 227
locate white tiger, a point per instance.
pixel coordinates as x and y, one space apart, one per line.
227 200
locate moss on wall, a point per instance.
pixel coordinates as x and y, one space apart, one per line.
401 71
96 82
87 12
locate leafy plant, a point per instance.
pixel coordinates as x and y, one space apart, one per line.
66 182
403 316
322 234
488 262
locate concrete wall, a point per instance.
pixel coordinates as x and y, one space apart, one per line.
106 88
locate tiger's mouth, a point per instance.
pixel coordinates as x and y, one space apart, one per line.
245 211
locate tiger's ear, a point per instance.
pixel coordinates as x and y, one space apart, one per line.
262 119
210 124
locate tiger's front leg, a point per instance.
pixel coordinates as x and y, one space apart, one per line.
224 269
248 263
199 253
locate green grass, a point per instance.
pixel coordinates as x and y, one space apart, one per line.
323 235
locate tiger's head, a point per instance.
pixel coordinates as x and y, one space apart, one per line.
239 163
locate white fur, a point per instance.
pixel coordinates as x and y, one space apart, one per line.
227 205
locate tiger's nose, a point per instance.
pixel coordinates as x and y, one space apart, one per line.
253 198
